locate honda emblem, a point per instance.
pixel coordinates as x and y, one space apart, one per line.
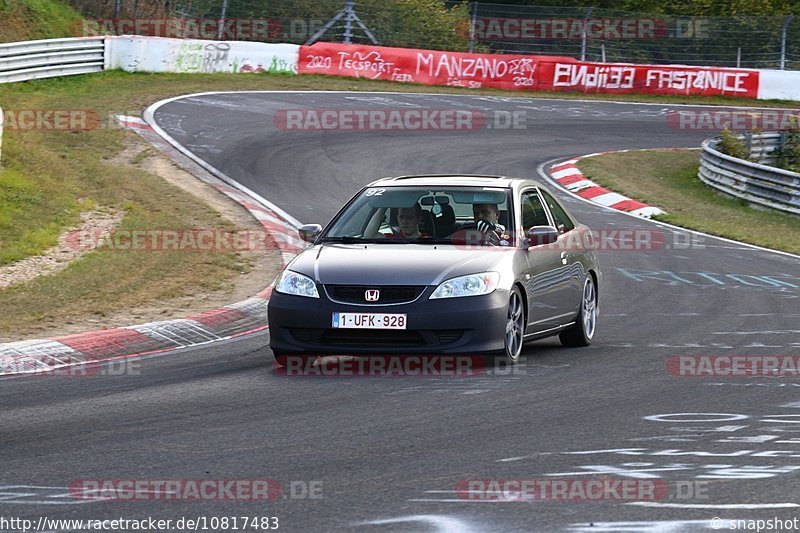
372 295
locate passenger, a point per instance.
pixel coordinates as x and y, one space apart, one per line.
409 219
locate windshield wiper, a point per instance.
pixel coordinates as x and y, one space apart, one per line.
411 240
346 239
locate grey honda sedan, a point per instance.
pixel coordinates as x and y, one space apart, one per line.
439 264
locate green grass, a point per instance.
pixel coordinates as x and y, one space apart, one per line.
25 20
668 179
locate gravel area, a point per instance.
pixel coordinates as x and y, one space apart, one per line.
70 247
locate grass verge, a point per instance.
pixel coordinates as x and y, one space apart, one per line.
49 176
27 20
668 179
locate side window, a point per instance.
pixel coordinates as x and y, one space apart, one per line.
533 213
560 217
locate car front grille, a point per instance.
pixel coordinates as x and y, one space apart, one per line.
345 337
389 294
302 334
450 335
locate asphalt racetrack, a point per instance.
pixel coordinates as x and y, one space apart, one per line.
393 454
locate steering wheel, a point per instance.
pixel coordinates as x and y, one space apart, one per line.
491 238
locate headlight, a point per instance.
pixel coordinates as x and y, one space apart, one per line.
293 283
471 285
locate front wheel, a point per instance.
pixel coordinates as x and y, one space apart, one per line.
582 333
514 330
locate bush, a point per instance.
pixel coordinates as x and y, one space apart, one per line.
730 144
787 156
427 24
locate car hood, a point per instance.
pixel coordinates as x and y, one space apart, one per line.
392 264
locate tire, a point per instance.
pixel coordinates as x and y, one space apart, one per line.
582 333
514 331
285 360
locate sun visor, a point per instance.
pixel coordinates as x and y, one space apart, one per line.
478 197
389 198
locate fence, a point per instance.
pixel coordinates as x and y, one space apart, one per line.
604 35
750 181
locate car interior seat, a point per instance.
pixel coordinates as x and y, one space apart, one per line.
427 225
502 218
445 223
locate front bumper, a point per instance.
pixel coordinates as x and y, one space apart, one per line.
467 326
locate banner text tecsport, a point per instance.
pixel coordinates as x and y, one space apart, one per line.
520 72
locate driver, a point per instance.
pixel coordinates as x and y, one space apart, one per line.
486 218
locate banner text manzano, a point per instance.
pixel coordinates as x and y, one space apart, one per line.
529 72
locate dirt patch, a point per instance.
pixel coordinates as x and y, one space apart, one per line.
260 270
265 267
69 248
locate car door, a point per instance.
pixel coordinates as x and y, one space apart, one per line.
570 247
544 280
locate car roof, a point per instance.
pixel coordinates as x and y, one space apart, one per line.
445 180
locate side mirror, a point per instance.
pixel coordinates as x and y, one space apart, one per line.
541 235
309 232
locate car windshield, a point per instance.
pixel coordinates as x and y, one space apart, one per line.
450 215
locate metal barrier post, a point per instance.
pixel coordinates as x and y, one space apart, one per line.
222 14
349 13
472 20
348 22
583 34
783 41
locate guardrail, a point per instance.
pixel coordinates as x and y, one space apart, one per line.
753 182
31 60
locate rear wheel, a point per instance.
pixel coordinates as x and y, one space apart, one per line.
582 333
514 330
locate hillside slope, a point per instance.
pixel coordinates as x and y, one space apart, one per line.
24 20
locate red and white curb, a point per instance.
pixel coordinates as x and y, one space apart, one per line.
241 318
569 176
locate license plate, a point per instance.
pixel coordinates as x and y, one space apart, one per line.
369 321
